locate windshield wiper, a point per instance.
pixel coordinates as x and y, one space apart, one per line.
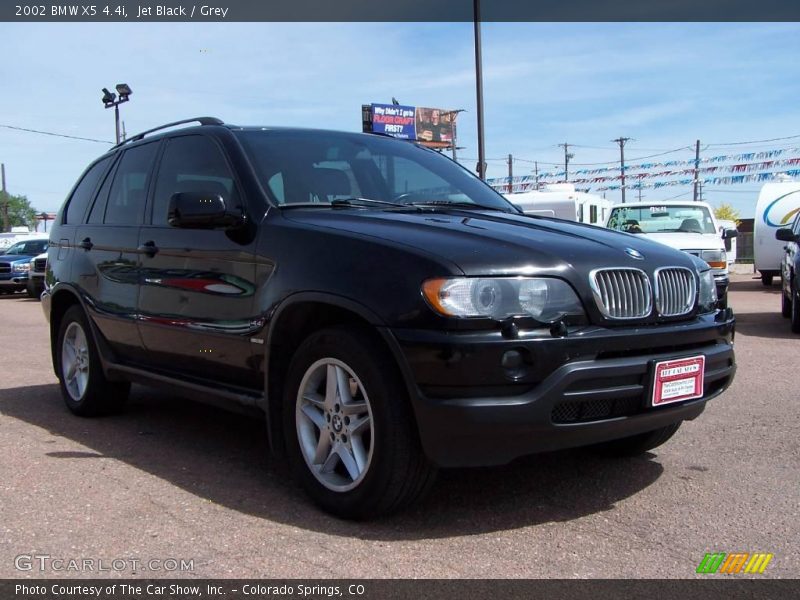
355 201
467 205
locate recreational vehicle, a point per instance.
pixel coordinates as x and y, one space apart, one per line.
561 201
777 205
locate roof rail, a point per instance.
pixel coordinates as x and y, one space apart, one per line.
201 120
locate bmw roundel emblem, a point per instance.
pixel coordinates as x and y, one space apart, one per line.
634 253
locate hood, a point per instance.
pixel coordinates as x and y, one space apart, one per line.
687 241
496 243
12 258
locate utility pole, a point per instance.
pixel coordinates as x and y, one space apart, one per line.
567 156
5 196
479 89
621 141
536 173
696 168
510 173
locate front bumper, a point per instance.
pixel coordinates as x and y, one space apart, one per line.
588 387
15 281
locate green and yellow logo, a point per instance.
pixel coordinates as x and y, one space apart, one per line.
737 562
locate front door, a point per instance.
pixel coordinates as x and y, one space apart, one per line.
196 300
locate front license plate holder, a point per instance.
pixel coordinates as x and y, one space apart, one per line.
677 380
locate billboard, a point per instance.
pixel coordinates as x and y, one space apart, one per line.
432 127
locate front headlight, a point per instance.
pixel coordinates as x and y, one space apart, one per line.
545 299
707 296
716 259
21 267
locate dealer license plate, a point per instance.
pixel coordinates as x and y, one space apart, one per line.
678 380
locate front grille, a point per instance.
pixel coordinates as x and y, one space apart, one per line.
5 267
675 291
595 410
622 293
39 265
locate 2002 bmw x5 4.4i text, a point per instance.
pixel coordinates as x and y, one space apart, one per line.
385 309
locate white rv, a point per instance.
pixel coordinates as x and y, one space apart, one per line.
777 205
560 200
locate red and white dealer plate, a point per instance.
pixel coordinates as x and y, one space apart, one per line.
678 380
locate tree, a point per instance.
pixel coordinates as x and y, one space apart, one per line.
725 212
20 211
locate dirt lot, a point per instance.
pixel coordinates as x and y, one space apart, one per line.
172 479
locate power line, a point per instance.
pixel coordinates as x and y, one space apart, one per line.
788 137
62 135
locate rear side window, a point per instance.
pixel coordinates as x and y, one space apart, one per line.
83 193
126 200
191 163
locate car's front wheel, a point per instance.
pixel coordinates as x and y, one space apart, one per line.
84 386
795 312
638 444
351 438
766 279
786 303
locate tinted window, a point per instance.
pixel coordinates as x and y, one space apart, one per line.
191 164
300 167
126 200
592 214
99 206
83 193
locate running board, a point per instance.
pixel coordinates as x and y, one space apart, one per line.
238 401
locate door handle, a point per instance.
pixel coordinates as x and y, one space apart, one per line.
149 248
86 243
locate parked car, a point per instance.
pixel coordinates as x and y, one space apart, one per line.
15 264
790 268
35 285
385 309
687 226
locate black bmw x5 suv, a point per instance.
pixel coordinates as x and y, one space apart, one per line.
386 310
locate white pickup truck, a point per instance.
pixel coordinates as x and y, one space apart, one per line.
687 226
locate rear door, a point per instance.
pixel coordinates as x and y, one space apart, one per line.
196 301
106 261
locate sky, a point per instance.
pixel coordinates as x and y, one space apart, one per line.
663 84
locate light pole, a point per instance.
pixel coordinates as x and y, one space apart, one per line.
110 99
479 89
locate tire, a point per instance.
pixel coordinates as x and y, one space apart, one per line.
638 444
795 311
786 303
86 392
722 303
766 279
369 440
33 292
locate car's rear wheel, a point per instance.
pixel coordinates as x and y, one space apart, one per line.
351 438
638 444
84 386
795 312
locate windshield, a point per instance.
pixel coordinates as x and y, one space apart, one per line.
686 218
312 167
27 248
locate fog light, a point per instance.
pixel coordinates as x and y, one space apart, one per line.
511 360
516 363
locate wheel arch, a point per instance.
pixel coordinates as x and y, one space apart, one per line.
297 317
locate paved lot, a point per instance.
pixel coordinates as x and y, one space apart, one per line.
173 479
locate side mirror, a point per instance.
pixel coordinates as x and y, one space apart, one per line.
785 235
728 234
198 210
